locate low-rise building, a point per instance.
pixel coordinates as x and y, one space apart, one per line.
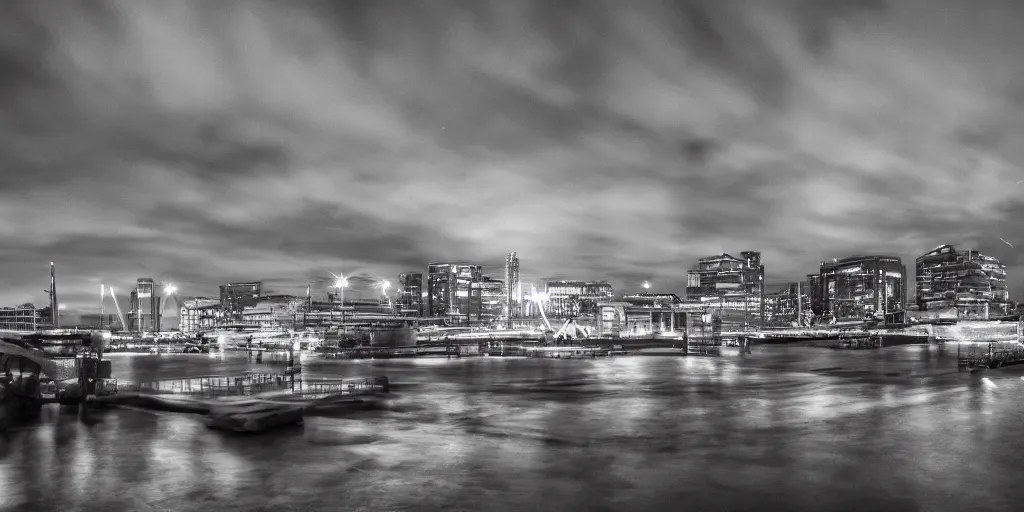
575 298
24 317
200 314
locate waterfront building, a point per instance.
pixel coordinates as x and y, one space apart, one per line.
488 302
144 312
786 307
410 294
513 290
621 319
235 297
199 314
651 300
860 286
576 298
448 287
731 287
274 312
815 299
24 317
972 283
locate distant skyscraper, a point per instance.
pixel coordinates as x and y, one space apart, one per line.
513 289
145 313
410 293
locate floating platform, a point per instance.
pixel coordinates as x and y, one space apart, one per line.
246 404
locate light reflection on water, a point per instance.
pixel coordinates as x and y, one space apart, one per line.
787 428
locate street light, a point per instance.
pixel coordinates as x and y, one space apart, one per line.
340 283
169 290
384 285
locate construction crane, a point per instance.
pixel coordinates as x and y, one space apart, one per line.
120 316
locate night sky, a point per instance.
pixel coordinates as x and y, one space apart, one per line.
206 142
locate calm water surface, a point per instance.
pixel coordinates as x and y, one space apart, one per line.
788 428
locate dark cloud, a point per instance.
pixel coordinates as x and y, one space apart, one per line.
204 142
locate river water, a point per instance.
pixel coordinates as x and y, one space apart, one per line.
786 428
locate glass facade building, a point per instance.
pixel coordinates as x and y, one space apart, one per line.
971 282
731 287
860 286
448 288
144 315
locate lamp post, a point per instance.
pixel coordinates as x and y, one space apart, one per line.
168 291
340 284
384 285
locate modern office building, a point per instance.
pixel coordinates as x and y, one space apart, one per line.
144 314
815 299
235 297
448 287
971 282
487 306
857 287
410 294
731 287
576 298
24 317
513 289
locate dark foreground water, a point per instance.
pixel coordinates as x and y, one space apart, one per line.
787 428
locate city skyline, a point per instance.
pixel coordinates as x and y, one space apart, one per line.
140 142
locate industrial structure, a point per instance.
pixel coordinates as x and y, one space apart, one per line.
970 282
731 287
859 287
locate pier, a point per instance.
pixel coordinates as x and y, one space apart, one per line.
219 386
976 356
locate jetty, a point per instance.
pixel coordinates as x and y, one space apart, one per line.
250 402
974 356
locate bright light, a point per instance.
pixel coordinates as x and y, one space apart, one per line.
62 307
341 282
646 285
170 289
384 285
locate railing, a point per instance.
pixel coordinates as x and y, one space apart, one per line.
989 356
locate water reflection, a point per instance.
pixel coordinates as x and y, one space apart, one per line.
789 428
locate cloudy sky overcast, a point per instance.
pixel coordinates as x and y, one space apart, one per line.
206 142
